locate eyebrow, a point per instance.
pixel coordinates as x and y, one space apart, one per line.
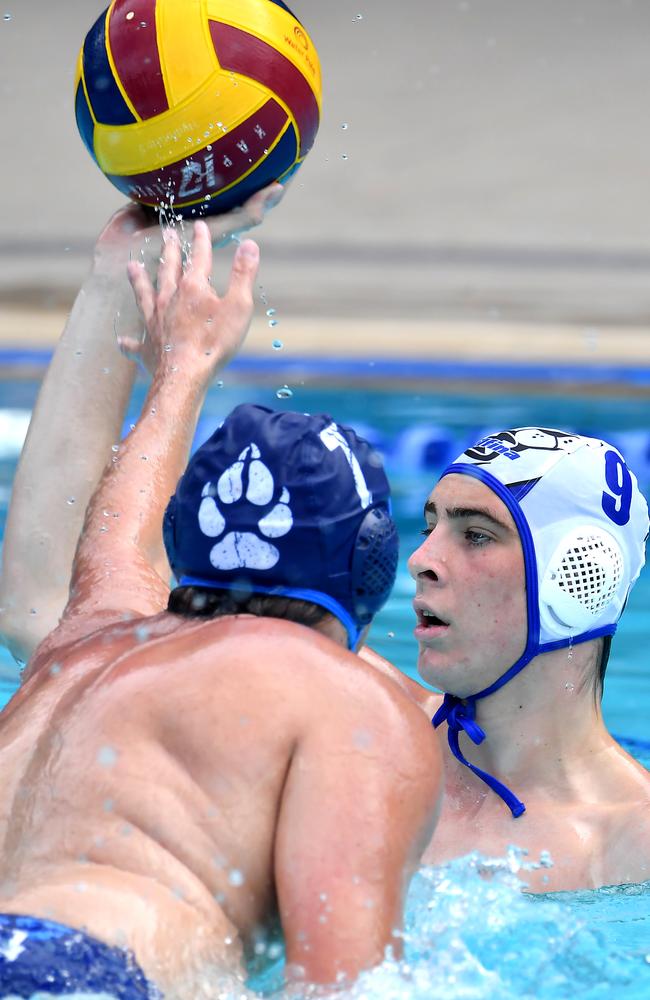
456 513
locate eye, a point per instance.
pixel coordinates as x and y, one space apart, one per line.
477 538
427 531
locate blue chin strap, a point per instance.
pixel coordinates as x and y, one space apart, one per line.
460 713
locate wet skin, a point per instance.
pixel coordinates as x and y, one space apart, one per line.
172 784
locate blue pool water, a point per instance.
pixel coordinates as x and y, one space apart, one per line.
471 933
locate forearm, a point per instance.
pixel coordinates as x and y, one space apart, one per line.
77 418
125 514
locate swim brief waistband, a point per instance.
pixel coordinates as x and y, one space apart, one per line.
42 957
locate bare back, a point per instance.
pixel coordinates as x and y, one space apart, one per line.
163 779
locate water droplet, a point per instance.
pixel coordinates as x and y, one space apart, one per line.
32 611
391 635
344 156
284 393
270 312
277 345
105 371
344 125
273 322
143 24
142 633
569 686
55 669
103 528
7 17
167 347
107 756
358 17
274 950
70 500
235 877
130 15
219 384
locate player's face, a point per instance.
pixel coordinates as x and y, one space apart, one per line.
470 588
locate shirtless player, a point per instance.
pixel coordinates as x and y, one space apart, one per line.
534 539
172 781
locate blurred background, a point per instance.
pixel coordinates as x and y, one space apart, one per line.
481 164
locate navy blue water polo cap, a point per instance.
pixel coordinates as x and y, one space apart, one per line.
290 504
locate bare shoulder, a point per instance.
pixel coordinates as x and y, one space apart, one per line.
75 635
320 681
628 841
428 700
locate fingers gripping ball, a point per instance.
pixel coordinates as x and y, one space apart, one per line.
197 104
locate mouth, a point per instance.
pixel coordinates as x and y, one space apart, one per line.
429 624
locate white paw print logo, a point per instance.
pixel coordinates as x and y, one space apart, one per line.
244 549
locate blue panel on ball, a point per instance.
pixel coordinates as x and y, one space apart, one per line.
85 122
107 102
277 163
279 3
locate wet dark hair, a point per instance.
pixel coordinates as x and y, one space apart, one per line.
203 602
605 650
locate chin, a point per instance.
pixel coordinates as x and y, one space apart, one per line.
434 669
438 672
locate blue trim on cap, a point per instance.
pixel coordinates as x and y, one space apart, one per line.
530 560
302 594
459 713
575 640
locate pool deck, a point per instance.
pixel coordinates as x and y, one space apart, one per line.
414 351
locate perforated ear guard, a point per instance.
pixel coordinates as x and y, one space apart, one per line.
580 580
374 563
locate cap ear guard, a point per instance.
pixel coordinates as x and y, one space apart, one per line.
581 580
374 563
169 531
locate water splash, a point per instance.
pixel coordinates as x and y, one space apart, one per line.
472 934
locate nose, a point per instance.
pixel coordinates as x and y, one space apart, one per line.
428 559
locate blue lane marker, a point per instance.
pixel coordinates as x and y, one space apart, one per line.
413 368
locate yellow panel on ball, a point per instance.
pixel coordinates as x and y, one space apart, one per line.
197 103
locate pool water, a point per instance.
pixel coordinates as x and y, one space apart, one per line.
471 932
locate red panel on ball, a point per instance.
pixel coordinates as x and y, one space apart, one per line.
242 53
134 47
208 170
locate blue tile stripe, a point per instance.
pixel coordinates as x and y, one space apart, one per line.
393 368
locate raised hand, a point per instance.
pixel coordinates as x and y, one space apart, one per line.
186 321
133 234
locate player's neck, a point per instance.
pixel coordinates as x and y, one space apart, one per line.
546 723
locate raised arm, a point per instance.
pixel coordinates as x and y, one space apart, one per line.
78 418
192 333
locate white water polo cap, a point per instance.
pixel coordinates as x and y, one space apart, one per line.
583 524
582 521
